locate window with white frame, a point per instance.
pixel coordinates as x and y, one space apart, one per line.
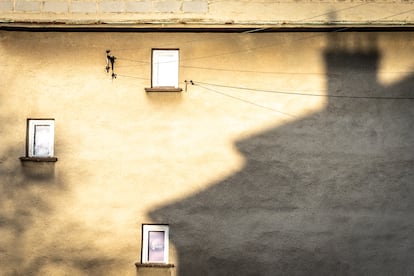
40 137
165 68
155 243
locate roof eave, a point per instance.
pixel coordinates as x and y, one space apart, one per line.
168 26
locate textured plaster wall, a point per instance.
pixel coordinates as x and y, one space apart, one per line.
258 181
208 12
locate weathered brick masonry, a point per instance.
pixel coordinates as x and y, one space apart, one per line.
283 12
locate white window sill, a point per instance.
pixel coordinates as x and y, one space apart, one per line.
163 89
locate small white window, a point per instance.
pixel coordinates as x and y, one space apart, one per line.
155 243
165 68
40 137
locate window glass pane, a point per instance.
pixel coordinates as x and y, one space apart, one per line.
42 140
165 68
40 137
156 246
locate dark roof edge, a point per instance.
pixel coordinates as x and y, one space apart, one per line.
226 27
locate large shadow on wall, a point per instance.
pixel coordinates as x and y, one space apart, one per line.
330 194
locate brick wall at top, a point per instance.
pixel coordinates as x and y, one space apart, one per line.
103 6
209 11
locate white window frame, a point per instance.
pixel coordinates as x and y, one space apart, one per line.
165 64
32 124
147 247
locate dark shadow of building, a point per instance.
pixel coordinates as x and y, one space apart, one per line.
330 194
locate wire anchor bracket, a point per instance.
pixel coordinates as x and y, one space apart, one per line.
188 82
110 60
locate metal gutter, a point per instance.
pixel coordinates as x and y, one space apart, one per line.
176 26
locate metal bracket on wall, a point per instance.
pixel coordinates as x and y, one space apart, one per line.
188 82
110 60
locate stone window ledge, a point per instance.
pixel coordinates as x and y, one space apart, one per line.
154 265
151 269
163 89
38 159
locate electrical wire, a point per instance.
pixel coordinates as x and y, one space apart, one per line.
236 52
136 61
245 101
304 94
404 12
256 48
258 72
269 46
133 77
292 22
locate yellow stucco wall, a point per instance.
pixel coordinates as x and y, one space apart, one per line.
124 153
